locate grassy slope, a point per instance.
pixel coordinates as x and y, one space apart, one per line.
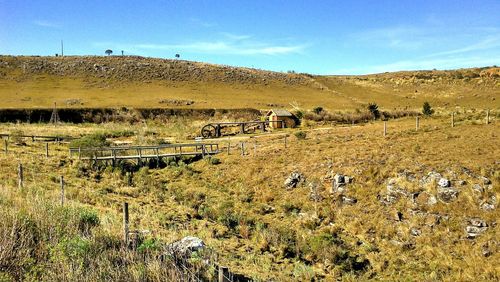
29 82
197 199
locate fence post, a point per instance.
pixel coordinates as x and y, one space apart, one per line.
452 119
385 128
6 146
488 116
62 190
47 149
243 148
255 147
125 223
20 176
416 123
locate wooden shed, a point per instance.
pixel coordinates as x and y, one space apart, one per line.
287 118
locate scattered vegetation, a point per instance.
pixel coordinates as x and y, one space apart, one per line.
427 109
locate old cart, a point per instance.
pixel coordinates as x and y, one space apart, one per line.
218 129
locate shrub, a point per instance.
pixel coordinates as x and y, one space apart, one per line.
373 108
92 140
16 136
215 161
88 219
427 109
300 135
318 110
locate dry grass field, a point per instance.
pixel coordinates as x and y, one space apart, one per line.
242 210
337 201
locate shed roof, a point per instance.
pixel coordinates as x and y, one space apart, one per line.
280 113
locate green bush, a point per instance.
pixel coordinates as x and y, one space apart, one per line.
318 110
215 161
89 141
300 135
87 220
373 108
427 109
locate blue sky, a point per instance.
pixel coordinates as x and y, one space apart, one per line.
320 37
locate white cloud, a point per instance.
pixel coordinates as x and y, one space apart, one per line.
231 45
45 23
489 42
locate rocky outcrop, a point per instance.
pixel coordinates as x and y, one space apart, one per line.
293 180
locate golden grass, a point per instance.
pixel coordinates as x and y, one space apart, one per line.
202 199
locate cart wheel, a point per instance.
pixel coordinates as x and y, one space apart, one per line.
208 131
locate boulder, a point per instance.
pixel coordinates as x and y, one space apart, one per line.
293 180
431 176
475 227
184 247
478 188
443 182
447 194
340 182
415 232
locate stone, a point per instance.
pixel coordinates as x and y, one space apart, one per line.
185 247
447 194
478 188
293 180
425 199
338 184
431 176
461 182
348 200
486 181
415 232
475 227
443 182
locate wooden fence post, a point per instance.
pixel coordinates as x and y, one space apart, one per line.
285 142
452 119
125 223
6 146
242 148
385 128
20 176
62 190
47 149
416 123
488 116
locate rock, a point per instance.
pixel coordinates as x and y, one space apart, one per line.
185 247
293 180
447 194
398 216
461 182
415 232
387 199
475 227
348 200
431 176
489 205
408 175
478 188
486 181
338 184
425 199
443 182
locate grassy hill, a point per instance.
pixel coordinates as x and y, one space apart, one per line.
97 82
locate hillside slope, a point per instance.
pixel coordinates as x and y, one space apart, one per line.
34 82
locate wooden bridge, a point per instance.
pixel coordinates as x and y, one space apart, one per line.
140 153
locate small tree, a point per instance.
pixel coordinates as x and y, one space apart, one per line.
108 52
318 110
177 56
427 109
373 108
